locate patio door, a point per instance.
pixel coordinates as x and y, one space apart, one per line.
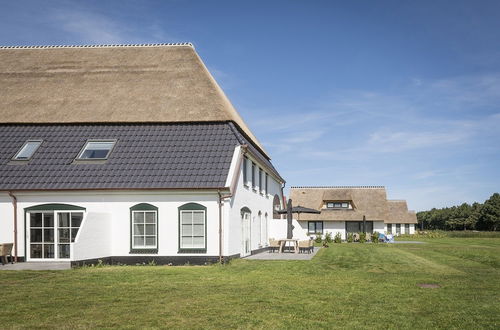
245 234
50 234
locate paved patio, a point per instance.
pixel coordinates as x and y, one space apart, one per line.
283 256
36 266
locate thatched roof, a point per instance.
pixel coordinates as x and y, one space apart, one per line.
111 84
369 201
398 212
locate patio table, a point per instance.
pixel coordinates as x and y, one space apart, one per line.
293 240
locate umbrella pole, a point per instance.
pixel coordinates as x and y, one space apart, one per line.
289 233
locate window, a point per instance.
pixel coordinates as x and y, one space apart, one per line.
407 228
315 227
96 150
265 185
245 171
254 184
337 205
192 228
398 229
357 227
389 228
51 229
144 222
261 181
68 224
27 150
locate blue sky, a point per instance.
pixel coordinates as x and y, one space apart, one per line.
404 94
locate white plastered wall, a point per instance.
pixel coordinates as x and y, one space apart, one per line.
255 200
106 227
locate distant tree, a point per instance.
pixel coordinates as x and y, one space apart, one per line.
476 216
489 215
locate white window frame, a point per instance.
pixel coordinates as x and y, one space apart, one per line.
96 141
181 235
138 247
56 227
22 148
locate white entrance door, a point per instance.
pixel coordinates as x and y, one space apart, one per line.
50 234
245 234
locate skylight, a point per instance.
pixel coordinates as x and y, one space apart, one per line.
96 150
27 150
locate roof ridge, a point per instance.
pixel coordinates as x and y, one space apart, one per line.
170 44
334 187
396 200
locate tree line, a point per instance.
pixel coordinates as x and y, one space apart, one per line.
485 216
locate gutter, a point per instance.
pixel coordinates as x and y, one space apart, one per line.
14 204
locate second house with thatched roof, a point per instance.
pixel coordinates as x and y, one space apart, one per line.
350 209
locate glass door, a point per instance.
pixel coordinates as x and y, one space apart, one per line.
245 234
41 235
50 239
68 224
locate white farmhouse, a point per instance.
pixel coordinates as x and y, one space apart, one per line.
127 153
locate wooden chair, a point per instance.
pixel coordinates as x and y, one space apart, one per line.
304 246
274 245
6 250
311 246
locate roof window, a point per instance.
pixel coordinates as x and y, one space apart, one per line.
96 149
337 205
27 150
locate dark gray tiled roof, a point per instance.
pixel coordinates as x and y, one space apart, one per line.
190 155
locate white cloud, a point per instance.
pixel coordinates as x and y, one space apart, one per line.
84 25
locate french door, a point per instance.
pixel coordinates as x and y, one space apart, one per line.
50 234
245 234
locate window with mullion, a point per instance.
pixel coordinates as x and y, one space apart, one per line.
315 227
144 233
192 229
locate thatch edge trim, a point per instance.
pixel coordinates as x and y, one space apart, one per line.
172 44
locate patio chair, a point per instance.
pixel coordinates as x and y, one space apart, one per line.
274 245
304 246
311 246
356 237
368 236
6 250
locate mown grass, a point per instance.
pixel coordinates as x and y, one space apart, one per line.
344 286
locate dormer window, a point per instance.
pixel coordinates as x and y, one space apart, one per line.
337 205
96 150
27 150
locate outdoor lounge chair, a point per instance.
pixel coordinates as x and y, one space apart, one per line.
274 245
6 250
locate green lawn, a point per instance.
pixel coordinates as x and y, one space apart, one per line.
344 286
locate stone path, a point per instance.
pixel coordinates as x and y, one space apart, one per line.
283 256
50 265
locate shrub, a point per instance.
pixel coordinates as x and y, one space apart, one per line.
350 237
328 237
318 238
375 237
362 237
338 238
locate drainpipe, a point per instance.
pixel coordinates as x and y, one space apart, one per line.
14 204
